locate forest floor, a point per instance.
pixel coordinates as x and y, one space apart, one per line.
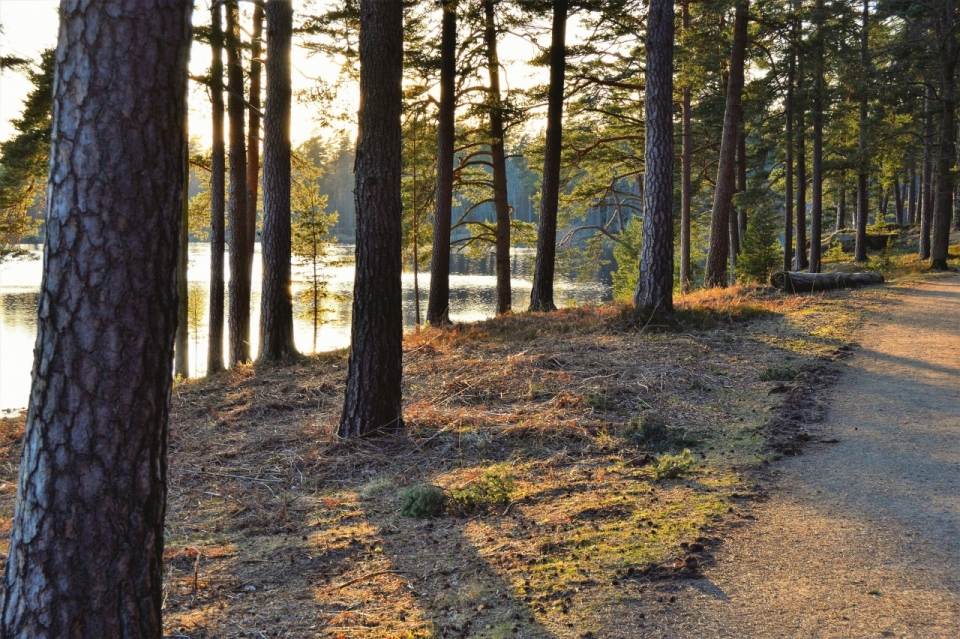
860 538
572 505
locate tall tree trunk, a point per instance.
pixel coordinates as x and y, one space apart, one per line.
926 202
217 198
276 303
736 214
860 248
921 194
947 157
685 189
438 306
181 364
816 214
374 370
499 162
788 111
86 547
956 207
253 131
802 261
898 200
741 179
654 292
841 205
237 203
912 197
541 297
716 274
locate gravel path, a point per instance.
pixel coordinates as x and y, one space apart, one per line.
860 538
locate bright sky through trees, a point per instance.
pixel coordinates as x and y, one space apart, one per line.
30 26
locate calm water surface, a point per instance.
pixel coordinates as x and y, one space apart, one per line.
472 291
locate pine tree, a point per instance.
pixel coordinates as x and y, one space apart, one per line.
24 159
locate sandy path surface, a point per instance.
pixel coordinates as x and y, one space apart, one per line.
860 538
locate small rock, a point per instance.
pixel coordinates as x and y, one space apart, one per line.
249 588
696 547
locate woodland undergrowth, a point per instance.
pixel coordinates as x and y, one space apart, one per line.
579 460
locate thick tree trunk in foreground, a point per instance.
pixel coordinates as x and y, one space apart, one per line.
217 199
541 297
655 284
685 176
253 131
947 157
372 399
276 303
716 274
926 201
798 282
237 203
86 549
499 161
860 249
438 306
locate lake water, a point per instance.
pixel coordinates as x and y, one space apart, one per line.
472 292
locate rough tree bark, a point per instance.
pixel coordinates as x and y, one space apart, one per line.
253 131
374 369
541 297
86 549
499 161
797 282
860 247
926 201
217 198
276 303
816 214
237 203
947 156
438 306
654 292
716 272
685 176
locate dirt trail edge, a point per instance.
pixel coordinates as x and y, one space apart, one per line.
860 538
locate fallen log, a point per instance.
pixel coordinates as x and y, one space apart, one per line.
796 282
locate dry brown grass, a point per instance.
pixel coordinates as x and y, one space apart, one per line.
278 529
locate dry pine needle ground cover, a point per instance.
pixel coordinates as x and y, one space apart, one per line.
577 422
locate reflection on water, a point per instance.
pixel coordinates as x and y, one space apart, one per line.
472 298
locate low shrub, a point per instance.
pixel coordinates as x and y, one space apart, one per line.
651 432
673 466
778 374
422 500
492 489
